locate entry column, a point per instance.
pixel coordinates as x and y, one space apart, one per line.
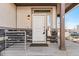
62 27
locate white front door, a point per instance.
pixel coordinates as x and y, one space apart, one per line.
39 28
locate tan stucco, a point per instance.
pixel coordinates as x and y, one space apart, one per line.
24 11
23 21
7 15
54 17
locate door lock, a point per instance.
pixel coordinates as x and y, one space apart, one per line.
43 32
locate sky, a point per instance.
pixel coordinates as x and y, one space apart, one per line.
72 18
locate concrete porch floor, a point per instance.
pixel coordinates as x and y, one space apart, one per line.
18 49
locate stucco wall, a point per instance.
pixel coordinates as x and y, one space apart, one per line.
23 21
7 15
12 16
54 17
24 11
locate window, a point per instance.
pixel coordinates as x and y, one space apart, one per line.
41 11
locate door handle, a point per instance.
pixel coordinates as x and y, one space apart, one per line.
43 32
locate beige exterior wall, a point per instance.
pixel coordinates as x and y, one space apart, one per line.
54 17
24 11
7 15
12 16
23 21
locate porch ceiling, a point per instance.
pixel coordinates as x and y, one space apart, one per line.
35 4
68 6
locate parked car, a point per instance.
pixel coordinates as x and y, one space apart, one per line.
75 34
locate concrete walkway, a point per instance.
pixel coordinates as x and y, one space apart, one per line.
72 49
